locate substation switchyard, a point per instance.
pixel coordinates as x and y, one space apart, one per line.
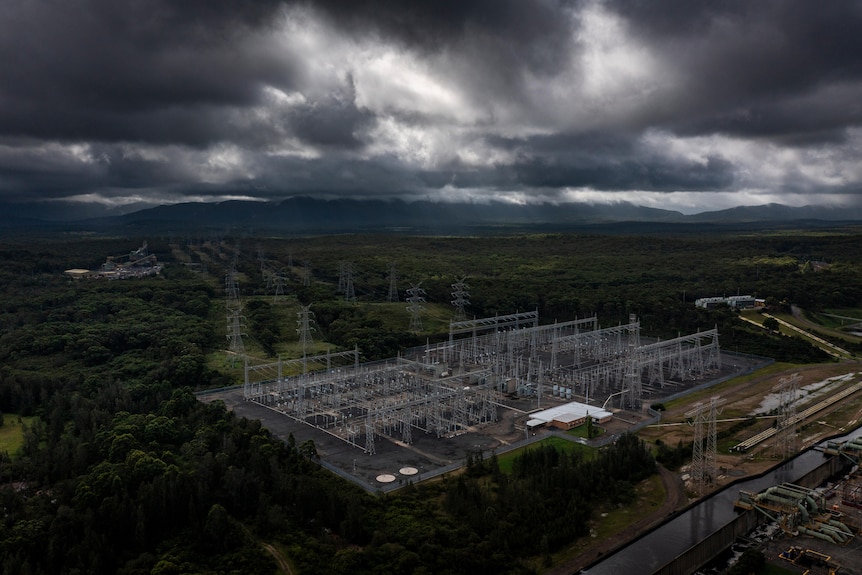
486 367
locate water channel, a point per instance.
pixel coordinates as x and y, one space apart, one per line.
662 545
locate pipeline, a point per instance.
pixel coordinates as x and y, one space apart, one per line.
841 526
788 503
763 494
766 513
817 534
800 493
797 495
777 499
784 490
832 531
804 511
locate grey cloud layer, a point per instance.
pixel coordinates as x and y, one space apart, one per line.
371 97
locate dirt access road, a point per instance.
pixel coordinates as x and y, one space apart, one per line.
744 397
676 499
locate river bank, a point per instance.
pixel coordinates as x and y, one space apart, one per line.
735 469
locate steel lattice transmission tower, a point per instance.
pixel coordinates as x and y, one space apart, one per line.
342 277
278 281
235 319
369 436
306 273
231 286
787 388
261 257
304 328
416 299
460 298
349 291
235 328
393 284
710 456
704 447
696 468
634 385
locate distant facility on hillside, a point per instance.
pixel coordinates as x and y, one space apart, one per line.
733 302
138 263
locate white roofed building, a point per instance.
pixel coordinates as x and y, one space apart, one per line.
569 415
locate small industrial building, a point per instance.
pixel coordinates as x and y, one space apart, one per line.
733 302
569 416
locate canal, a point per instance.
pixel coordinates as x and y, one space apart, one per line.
662 545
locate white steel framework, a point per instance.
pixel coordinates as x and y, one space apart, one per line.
785 442
704 447
445 387
235 319
416 299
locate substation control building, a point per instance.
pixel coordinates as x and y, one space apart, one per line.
569 416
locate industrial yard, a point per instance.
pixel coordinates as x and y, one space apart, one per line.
812 530
496 384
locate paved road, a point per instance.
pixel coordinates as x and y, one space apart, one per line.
826 346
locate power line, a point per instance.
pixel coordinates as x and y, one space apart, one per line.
460 298
393 284
416 299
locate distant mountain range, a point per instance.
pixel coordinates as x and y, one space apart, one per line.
303 215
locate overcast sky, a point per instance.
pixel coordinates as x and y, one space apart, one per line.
683 104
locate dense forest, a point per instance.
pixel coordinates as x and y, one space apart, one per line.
122 470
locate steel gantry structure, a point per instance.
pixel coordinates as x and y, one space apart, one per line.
388 398
444 388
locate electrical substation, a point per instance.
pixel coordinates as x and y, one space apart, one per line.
445 388
495 382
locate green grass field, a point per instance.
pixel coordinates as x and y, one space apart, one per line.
581 431
842 321
12 433
505 461
826 325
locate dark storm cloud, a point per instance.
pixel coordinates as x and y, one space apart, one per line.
821 118
335 125
116 70
365 97
607 161
195 126
335 121
756 68
499 42
27 171
531 32
333 175
644 174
